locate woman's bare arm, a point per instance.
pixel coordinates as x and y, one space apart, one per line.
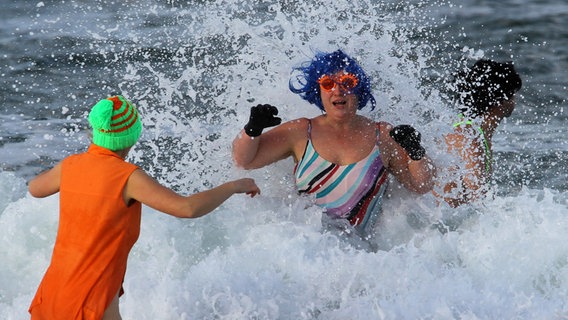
415 175
273 145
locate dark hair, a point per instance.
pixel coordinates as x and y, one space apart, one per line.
306 83
486 84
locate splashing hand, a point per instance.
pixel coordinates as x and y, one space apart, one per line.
408 138
261 116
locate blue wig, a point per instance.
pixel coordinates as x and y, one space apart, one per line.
306 83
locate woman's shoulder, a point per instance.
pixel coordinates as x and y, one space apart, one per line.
290 130
299 124
384 126
466 131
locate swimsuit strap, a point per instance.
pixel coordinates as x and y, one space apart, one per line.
377 131
487 151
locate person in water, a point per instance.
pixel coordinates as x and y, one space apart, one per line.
341 157
487 93
100 197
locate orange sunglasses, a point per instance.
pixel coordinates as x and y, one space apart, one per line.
347 81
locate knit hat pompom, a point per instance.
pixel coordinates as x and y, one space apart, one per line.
101 114
116 123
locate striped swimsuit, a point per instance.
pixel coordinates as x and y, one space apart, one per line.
353 192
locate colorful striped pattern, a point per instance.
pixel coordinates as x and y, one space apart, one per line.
116 123
353 191
124 115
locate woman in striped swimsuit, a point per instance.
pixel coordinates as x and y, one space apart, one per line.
342 158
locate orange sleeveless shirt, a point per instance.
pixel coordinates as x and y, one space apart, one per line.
95 235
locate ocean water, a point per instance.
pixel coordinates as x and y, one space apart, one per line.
194 68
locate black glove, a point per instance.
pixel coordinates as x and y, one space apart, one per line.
409 139
261 116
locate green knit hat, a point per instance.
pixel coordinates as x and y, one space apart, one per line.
116 123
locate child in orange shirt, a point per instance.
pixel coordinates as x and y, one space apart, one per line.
100 211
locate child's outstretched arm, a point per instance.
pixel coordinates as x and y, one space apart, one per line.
147 190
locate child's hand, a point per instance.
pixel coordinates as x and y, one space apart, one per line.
246 185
